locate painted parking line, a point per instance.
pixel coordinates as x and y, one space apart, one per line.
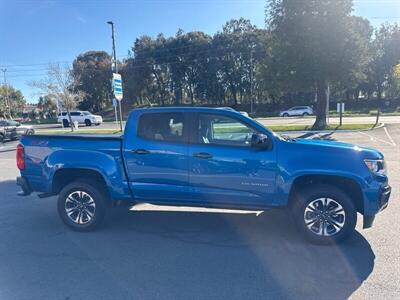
372 138
388 135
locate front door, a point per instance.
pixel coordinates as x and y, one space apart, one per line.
224 168
156 157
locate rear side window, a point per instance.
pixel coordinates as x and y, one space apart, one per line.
168 127
75 113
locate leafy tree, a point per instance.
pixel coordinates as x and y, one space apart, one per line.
394 82
235 47
93 69
47 106
12 101
316 43
386 54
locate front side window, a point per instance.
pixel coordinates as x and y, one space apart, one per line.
162 127
222 130
75 113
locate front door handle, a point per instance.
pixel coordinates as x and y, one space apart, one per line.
203 155
141 151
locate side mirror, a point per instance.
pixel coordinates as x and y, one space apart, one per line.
260 141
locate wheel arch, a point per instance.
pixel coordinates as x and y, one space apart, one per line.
348 185
65 176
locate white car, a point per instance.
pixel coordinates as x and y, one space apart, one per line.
297 111
82 117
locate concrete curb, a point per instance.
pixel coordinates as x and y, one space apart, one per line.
381 125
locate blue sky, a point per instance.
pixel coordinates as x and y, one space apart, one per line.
36 32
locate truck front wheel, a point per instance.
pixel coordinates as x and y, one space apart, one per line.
82 205
324 214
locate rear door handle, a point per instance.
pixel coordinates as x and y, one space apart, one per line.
141 151
203 155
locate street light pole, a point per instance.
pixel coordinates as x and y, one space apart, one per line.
116 69
251 81
7 102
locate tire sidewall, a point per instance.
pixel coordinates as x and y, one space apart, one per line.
88 122
307 195
95 191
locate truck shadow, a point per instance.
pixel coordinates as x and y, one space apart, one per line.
261 253
172 255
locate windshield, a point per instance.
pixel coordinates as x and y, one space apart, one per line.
86 113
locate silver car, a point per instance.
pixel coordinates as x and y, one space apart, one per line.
297 111
12 130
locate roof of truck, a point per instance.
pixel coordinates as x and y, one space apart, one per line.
185 108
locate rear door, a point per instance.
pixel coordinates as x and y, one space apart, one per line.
224 169
156 156
76 116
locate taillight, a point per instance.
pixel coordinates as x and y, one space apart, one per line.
20 157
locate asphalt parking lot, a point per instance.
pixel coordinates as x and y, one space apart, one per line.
162 253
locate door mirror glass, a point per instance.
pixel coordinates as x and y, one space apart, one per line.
260 141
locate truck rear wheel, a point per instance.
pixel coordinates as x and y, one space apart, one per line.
65 123
82 205
324 214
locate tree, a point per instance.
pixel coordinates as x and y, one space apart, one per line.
47 106
12 101
235 48
93 69
316 43
386 54
394 83
61 84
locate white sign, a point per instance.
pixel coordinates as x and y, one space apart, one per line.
117 86
338 106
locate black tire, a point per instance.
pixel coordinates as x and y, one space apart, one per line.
305 114
65 123
2 138
30 132
313 196
88 122
285 115
71 192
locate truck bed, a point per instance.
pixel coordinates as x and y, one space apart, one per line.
47 154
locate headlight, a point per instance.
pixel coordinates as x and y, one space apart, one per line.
376 165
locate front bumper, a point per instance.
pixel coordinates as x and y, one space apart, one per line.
383 201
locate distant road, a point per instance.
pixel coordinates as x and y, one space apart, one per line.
275 121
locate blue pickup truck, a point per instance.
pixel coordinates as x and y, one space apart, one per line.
208 158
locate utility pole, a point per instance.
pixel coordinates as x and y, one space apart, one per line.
328 94
116 69
7 102
251 82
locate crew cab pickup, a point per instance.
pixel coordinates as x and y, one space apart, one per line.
206 157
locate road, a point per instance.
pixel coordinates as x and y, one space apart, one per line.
164 253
